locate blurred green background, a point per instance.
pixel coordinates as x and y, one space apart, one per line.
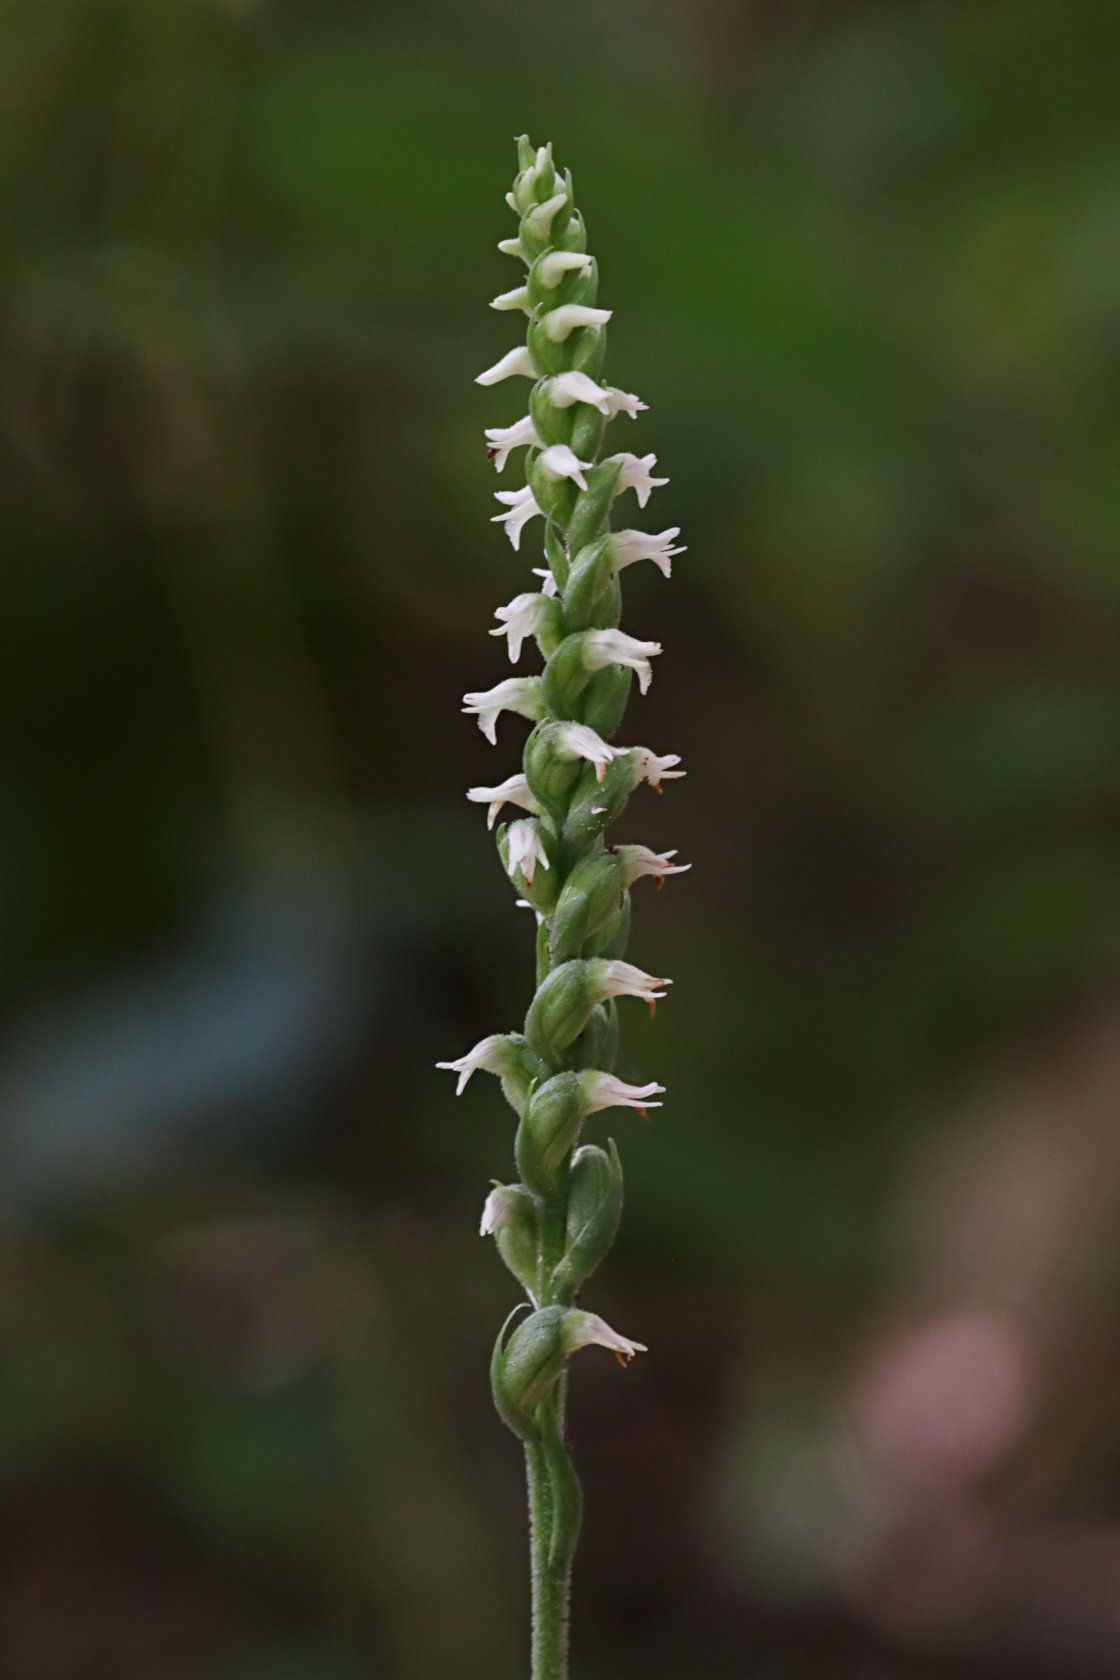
865 266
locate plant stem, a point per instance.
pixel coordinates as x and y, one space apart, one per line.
550 1608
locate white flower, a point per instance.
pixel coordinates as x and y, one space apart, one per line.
522 505
628 546
501 439
623 402
558 263
561 462
515 789
576 740
615 647
538 224
649 768
584 1329
522 617
526 849
603 1090
518 298
564 320
516 694
615 978
514 361
640 860
548 587
564 389
636 474
511 248
500 1209
490 1055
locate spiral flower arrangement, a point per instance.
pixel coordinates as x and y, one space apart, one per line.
554 1226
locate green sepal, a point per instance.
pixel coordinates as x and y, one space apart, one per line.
521 1069
565 677
613 937
526 152
590 903
606 697
542 891
548 356
594 807
518 1237
554 425
514 1417
587 430
597 1044
587 582
551 778
593 505
549 1129
555 553
574 236
555 496
588 351
559 1011
528 1367
578 285
594 1212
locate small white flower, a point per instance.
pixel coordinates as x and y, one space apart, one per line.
648 767
538 224
569 316
615 647
516 694
623 402
516 361
522 506
501 439
584 1329
636 474
576 740
615 978
603 1090
637 861
511 201
515 790
518 298
558 263
564 389
562 462
511 248
628 546
490 1055
522 617
500 1209
526 849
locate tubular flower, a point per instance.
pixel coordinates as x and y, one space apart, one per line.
501 440
629 546
521 506
524 616
516 694
615 647
515 790
636 473
526 849
555 1226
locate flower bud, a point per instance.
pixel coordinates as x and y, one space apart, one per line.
588 908
521 848
524 1371
512 1217
560 1010
594 1210
549 1127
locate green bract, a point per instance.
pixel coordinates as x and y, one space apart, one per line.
555 1227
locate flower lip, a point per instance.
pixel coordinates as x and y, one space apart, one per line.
489 1055
515 789
521 506
577 740
637 861
636 473
515 694
615 647
560 322
603 1090
517 361
526 849
562 462
630 546
521 617
584 1329
500 440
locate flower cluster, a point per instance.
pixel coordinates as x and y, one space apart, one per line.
555 1226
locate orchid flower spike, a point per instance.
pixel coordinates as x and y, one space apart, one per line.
554 1227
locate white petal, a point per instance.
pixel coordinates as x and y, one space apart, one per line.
564 389
515 790
558 263
501 439
577 740
623 402
488 1056
637 861
584 1329
518 298
603 1090
561 462
539 221
569 316
637 474
522 505
516 361
629 546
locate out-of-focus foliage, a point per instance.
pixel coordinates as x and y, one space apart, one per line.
865 263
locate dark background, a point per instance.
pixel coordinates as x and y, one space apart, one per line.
865 267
